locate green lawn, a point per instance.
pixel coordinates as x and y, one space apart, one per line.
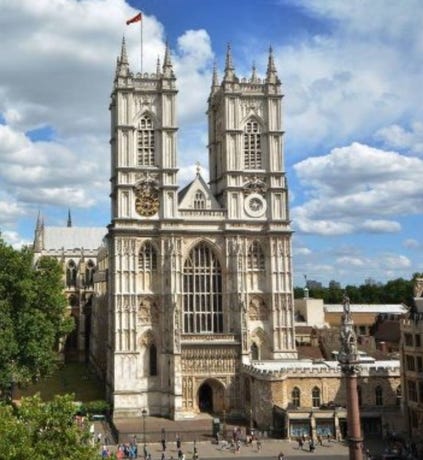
69 378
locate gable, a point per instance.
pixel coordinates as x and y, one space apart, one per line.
197 195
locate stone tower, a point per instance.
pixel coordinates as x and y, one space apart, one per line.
195 282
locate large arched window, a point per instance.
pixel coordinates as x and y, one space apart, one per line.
315 397
152 352
252 145
379 396
147 260
255 257
145 142
296 397
202 291
71 274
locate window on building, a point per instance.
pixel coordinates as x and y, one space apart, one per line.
315 397
152 352
255 355
255 257
362 330
202 291
89 274
296 397
412 390
379 396
420 387
398 394
252 145
199 200
419 366
417 340
71 274
145 142
410 363
147 259
408 340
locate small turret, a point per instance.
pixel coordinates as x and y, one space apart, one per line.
254 78
167 64
122 66
158 67
229 67
38 234
69 222
271 74
215 79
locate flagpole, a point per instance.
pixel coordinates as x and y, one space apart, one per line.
141 26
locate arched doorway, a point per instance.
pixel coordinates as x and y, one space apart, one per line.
205 398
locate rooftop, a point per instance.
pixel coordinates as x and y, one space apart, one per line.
73 237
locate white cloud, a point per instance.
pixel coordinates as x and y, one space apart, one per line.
397 137
355 188
350 261
14 239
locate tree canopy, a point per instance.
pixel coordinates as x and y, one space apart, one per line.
32 316
398 290
42 431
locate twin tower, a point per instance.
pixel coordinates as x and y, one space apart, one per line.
193 283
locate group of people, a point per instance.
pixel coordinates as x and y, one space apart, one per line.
302 442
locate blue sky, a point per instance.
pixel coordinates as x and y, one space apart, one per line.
353 106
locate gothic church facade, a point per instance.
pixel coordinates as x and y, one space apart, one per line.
192 284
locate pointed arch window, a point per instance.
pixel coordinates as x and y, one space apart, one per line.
202 292
252 145
89 274
315 397
199 200
255 352
71 274
255 257
147 260
152 355
296 397
379 396
145 142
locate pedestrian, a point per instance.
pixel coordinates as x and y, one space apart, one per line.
311 445
300 443
178 442
163 457
164 445
281 456
258 445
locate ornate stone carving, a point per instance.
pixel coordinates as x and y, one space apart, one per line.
251 106
257 310
209 360
255 185
147 197
148 312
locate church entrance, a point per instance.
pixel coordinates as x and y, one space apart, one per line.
205 398
211 396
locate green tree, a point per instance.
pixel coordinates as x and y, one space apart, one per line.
32 316
43 431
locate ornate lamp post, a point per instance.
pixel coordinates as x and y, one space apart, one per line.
349 360
144 415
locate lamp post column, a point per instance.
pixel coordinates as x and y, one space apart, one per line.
349 360
144 415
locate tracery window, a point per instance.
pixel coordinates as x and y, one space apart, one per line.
89 274
379 396
315 397
145 142
252 145
255 257
296 397
147 260
71 274
202 285
152 352
199 200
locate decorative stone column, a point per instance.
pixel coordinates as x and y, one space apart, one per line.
349 360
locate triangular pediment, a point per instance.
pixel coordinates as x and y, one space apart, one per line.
197 195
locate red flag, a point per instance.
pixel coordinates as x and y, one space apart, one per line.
136 18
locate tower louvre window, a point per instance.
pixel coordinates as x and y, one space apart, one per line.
145 142
252 145
255 257
147 260
202 292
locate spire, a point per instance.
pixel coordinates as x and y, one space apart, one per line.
158 67
229 67
69 223
271 73
123 53
38 234
254 78
215 79
167 63
38 224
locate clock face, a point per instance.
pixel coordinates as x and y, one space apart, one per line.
147 205
255 205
